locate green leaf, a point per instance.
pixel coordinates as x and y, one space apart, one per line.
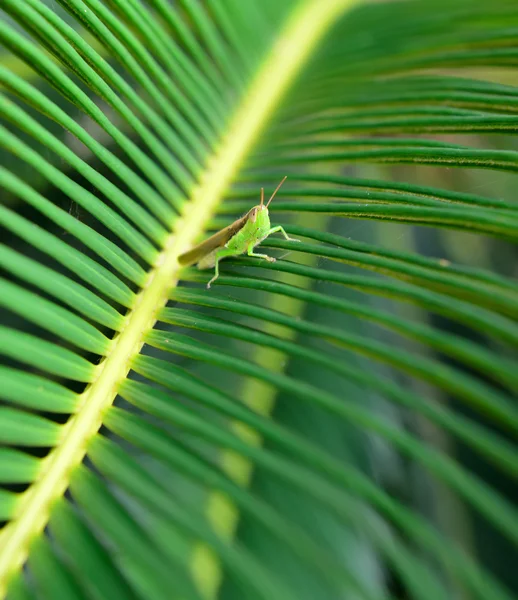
338 423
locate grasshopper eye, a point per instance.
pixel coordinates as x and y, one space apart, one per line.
253 215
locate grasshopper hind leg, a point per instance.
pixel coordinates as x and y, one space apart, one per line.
218 255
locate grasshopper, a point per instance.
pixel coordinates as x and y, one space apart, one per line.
241 236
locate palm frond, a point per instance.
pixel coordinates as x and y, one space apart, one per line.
339 424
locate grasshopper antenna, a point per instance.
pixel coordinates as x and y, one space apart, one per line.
262 197
276 190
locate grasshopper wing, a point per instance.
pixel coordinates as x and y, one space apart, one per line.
217 240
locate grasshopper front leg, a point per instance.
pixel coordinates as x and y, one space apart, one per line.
281 230
250 252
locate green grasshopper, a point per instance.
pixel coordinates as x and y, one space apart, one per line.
239 237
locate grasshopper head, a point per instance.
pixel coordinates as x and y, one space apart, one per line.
260 208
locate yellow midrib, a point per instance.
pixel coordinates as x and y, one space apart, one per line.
301 35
